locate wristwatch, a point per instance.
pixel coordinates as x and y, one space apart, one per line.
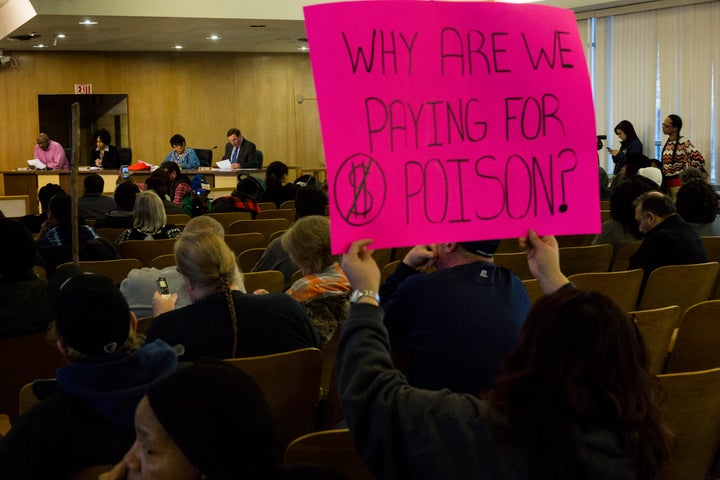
358 294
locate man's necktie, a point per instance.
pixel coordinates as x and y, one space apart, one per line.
233 157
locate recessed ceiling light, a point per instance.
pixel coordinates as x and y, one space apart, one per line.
304 48
60 35
178 47
258 26
87 22
214 37
40 45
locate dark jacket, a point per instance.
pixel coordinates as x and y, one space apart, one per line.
672 242
89 420
111 158
247 156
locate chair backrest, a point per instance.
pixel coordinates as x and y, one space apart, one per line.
239 242
516 262
259 158
267 226
691 411
26 398
697 345
143 324
532 286
712 247
287 204
579 240
330 449
226 218
248 258
267 206
286 213
110 233
205 156
657 327
508 245
388 270
25 358
622 254
275 235
290 382
296 276
177 219
622 287
590 258
116 270
125 155
146 250
163 261
604 204
682 285
15 206
270 280
5 424
382 257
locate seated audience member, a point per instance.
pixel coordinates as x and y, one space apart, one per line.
159 182
308 245
241 152
56 231
34 222
574 398
88 420
222 321
93 204
605 190
622 228
208 420
653 174
277 187
669 240
23 304
179 183
140 285
697 204
452 328
182 155
242 199
308 201
149 220
122 216
51 153
634 162
104 155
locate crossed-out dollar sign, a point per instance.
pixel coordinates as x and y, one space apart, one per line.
362 198
361 176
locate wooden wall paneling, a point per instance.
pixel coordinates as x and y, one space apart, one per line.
310 152
199 95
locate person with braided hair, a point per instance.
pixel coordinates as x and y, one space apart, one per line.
222 321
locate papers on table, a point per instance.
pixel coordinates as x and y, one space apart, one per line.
37 164
223 164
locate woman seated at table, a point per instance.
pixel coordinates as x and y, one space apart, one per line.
181 154
104 155
149 220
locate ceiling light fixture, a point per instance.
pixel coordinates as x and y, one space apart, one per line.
214 37
178 47
258 26
87 22
40 45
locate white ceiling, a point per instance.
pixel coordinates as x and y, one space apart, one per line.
159 25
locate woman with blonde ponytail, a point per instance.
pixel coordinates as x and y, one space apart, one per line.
222 321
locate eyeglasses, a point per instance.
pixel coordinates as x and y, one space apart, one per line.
666 125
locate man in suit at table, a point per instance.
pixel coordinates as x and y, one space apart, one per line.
241 152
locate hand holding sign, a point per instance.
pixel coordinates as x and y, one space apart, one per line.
477 125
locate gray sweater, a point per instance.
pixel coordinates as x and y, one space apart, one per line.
406 432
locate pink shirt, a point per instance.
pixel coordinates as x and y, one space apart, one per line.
54 157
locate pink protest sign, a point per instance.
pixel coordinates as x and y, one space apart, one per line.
449 122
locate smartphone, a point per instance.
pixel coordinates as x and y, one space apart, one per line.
124 172
162 287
